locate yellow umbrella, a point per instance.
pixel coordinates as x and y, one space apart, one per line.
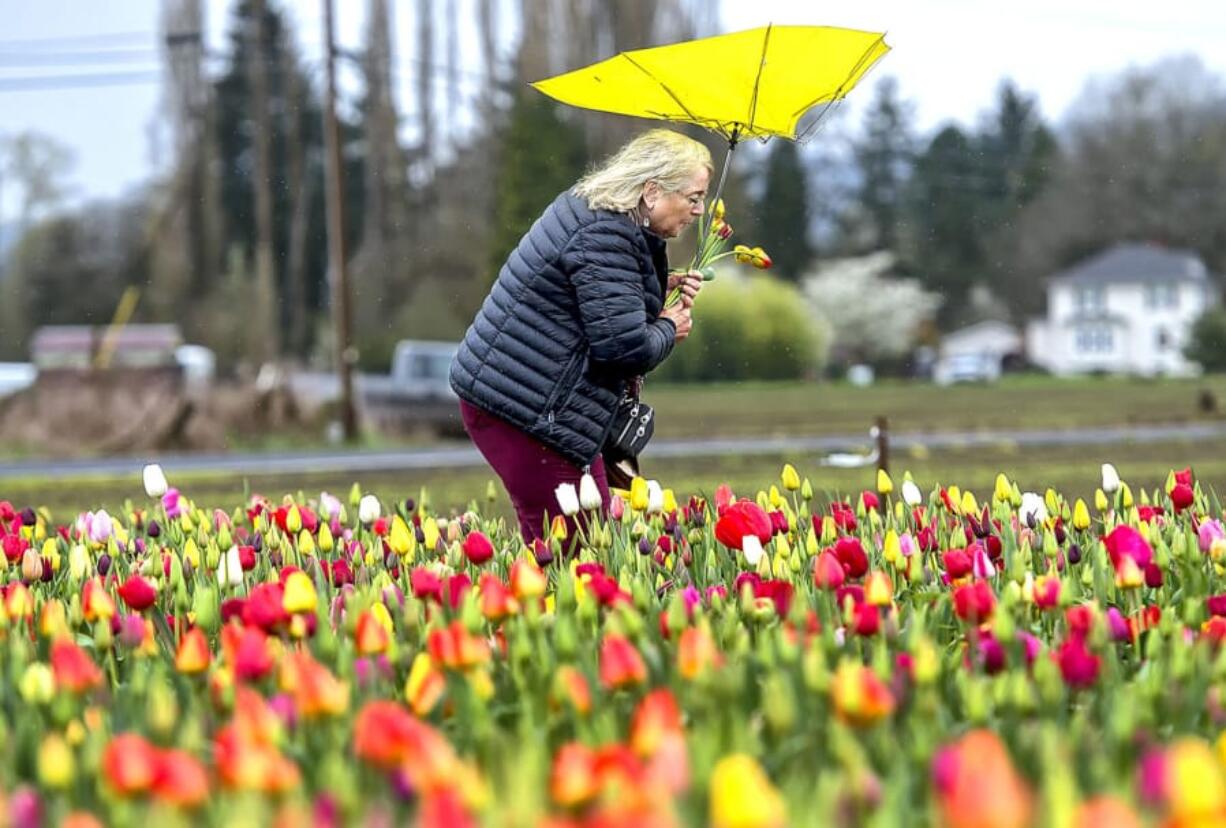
752 84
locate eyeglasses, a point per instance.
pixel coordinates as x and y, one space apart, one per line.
694 199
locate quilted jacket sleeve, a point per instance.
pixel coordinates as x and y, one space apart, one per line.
612 305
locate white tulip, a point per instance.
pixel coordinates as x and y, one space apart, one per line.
1111 479
230 568
589 493
655 497
752 547
369 509
911 493
155 480
1033 511
568 499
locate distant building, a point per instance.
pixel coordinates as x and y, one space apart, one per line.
1127 310
977 352
78 347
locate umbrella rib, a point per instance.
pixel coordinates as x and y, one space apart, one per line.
837 94
663 86
757 81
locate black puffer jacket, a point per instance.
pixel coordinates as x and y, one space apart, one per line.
572 316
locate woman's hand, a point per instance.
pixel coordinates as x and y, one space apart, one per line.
690 283
680 316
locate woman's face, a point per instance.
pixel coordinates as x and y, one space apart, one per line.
671 212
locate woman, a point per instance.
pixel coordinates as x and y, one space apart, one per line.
575 315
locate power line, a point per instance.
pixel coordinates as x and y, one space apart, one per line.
66 82
84 40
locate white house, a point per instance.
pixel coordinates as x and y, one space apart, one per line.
1127 310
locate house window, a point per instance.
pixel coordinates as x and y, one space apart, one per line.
1095 339
1162 295
1162 340
1091 299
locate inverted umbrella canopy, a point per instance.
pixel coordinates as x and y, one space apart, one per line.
752 84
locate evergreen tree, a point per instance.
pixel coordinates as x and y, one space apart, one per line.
945 201
884 156
540 155
783 213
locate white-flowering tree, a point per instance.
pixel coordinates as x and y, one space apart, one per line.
871 314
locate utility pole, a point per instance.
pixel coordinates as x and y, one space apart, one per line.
345 354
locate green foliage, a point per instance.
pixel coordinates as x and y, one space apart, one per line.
71 269
783 212
1207 343
541 155
751 328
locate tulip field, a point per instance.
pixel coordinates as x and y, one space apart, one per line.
913 654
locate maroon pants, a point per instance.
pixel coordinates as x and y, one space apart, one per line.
530 470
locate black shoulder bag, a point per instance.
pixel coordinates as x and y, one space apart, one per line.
634 421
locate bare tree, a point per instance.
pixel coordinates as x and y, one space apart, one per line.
267 344
425 77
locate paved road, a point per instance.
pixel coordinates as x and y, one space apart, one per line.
461 456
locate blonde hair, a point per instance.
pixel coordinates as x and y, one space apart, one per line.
660 155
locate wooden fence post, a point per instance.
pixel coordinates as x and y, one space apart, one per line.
883 444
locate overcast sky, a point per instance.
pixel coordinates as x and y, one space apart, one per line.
949 56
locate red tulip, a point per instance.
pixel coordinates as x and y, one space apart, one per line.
138 593
828 573
957 563
1182 496
477 548
974 603
852 556
740 520
1077 664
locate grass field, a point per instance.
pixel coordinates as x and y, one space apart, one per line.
796 409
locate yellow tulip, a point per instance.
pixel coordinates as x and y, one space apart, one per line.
884 484
299 593
1081 515
790 478
742 796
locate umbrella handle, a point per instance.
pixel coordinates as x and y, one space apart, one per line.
723 176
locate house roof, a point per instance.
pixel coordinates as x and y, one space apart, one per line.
1136 263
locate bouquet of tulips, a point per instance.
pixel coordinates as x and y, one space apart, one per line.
714 235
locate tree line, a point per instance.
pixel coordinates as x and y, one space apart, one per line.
231 243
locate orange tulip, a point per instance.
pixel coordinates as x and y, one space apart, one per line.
181 779
1105 812
570 687
497 602
977 785
527 579
72 667
193 655
620 663
129 764
860 698
370 635
96 603
425 685
697 653
315 690
457 648
572 779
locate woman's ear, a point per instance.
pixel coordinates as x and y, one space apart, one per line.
651 192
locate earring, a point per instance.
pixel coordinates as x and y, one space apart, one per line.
646 221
